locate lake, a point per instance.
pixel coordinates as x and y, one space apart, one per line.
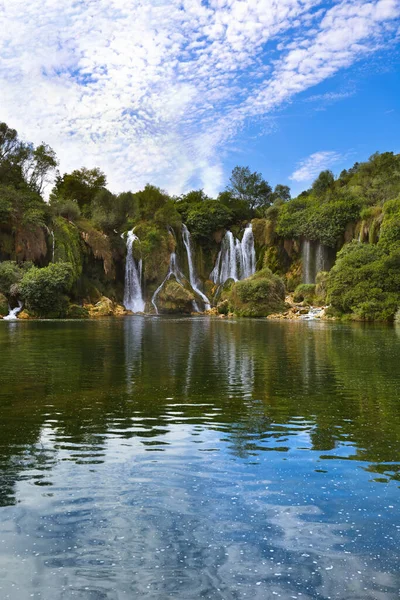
193 458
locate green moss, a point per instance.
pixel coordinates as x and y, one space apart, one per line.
67 245
77 312
156 245
174 298
306 292
258 296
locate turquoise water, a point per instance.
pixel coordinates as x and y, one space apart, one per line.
193 458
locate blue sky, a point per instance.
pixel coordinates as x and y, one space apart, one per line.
178 92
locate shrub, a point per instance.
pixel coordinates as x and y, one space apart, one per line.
304 291
365 282
10 274
258 296
44 290
75 311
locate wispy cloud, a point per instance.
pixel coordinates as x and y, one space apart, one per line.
311 166
151 90
330 97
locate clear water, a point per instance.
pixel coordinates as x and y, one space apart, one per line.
161 458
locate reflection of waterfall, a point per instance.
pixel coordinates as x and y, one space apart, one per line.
316 257
192 273
133 341
133 297
236 260
234 355
172 271
13 312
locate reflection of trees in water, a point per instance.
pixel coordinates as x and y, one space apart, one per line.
84 380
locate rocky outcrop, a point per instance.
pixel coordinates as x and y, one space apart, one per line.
106 308
258 296
175 298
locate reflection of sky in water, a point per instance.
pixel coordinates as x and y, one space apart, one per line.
196 486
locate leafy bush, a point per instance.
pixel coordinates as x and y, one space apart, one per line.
306 292
390 229
44 290
10 274
258 296
321 287
206 218
315 220
365 282
75 311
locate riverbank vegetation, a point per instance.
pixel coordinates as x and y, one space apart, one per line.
63 256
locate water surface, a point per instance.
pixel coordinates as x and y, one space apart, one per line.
161 458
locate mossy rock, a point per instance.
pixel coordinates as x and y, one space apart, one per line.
3 305
77 312
174 298
25 315
305 292
258 296
103 308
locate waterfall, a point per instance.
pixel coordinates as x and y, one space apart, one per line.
316 257
248 252
321 259
172 271
133 297
13 312
235 260
53 245
192 272
307 267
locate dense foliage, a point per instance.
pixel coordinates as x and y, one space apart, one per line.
45 290
71 249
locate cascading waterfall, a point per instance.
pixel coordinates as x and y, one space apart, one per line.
235 260
13 312
133 295
316 257
172 271
248 252
307 267
192 272
53 249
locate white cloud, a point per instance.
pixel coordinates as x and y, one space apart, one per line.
311 166
151 90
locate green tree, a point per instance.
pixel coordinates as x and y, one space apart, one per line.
250 188
206 218
82 185
324 182
281 192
